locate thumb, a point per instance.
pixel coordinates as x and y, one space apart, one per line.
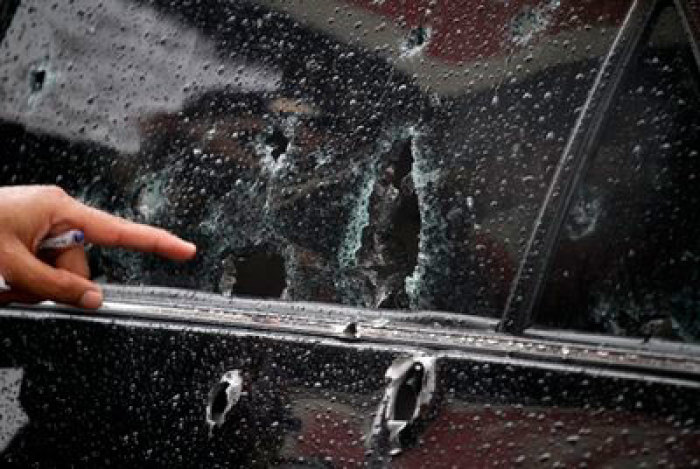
28 274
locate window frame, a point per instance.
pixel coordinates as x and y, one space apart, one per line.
528 285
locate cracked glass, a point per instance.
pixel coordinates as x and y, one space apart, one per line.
383 154
374 153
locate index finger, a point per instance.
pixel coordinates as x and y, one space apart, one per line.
108 230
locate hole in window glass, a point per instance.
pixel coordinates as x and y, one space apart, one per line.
36 80
259 274
383 154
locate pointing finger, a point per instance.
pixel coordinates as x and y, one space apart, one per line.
107 230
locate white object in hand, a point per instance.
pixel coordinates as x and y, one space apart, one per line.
65 240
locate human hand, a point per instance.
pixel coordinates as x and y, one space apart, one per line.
28 214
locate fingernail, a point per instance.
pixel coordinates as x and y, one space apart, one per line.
192 247
91 299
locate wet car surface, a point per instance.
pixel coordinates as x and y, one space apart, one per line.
131 386
409 179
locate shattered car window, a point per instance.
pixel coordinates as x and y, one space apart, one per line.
628 262
384 154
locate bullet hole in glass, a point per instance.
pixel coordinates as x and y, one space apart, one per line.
405 223
278 142
36 80
260 274
416 37
403 164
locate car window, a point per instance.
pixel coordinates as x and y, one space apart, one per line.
627 262
379 154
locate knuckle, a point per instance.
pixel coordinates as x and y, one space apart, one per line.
55 191
54 195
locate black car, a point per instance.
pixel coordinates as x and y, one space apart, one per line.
431 233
